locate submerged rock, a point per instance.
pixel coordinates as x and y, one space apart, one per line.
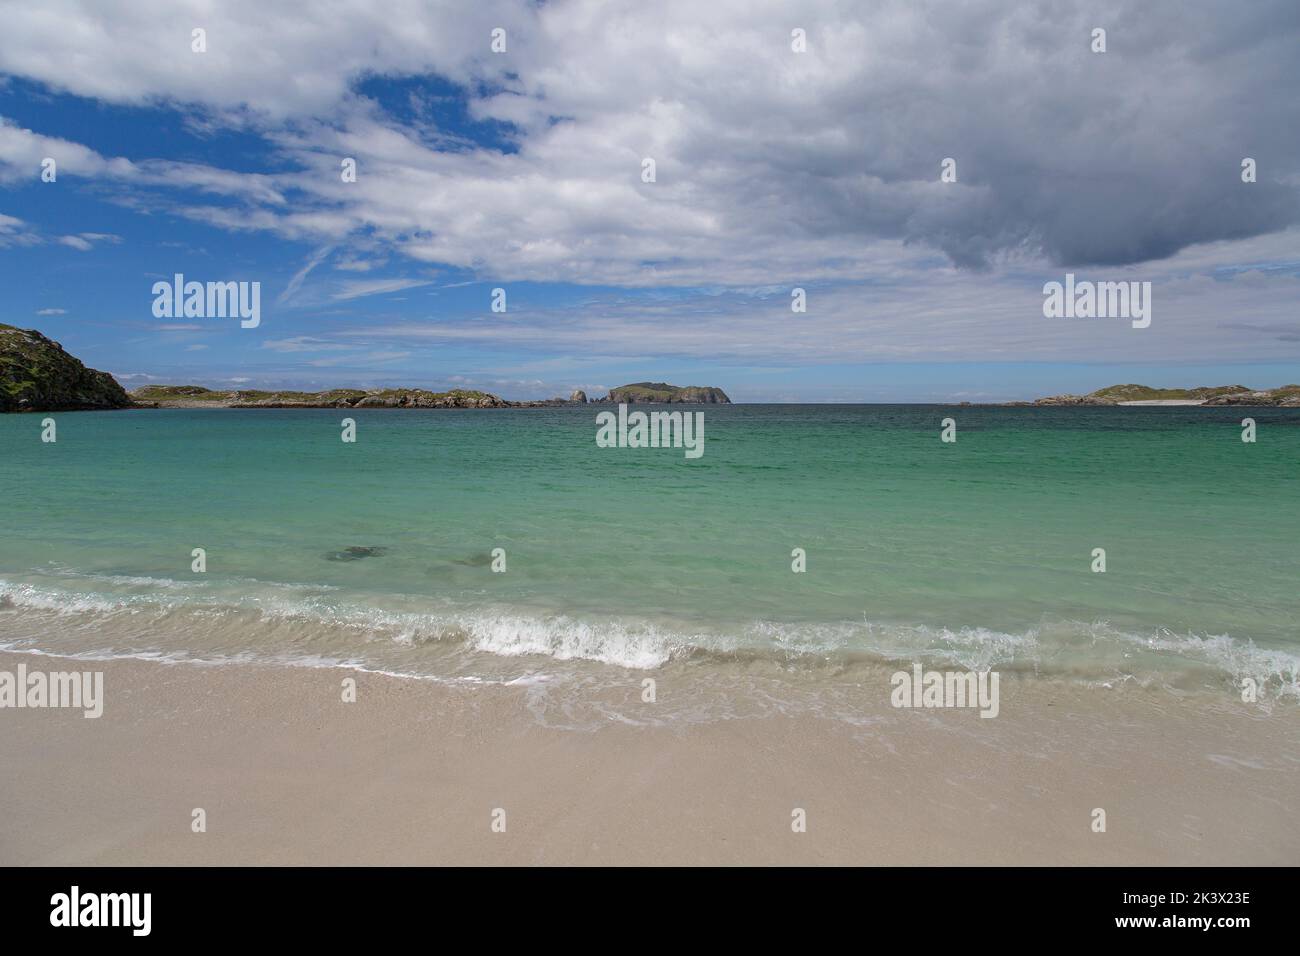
356 554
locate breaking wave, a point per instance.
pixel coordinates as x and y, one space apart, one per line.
313 625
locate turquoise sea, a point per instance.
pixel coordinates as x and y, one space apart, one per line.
977 553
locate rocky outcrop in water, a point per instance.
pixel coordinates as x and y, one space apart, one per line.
36 375
664 394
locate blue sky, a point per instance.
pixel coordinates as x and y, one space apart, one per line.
775 170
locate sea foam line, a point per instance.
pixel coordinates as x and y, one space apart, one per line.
641 645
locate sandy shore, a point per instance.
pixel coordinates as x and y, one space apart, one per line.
412 771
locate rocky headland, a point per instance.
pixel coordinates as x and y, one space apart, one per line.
36 375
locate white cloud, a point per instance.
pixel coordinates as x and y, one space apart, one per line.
263 60
957 317
774 169
772 165
357 289
303 343
15 232
296 282
85 241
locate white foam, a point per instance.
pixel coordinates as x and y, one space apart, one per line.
1092 651
637 647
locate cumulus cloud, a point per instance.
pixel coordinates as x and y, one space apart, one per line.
771 165
264 62
22 151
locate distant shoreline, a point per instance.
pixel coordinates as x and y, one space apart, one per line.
37 375
1122 396
515 406
198 396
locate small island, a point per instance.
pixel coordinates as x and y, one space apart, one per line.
663 394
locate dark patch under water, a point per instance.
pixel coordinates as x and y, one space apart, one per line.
356 554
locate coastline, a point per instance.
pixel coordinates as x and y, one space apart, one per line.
411 772
603 402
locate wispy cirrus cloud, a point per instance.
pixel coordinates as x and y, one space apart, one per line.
296 282
356 289
304 343
961 318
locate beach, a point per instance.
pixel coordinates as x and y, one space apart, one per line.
641 657
580 434
412 771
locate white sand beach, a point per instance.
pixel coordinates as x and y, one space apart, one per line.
412 772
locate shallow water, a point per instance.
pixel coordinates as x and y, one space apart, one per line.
976 553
